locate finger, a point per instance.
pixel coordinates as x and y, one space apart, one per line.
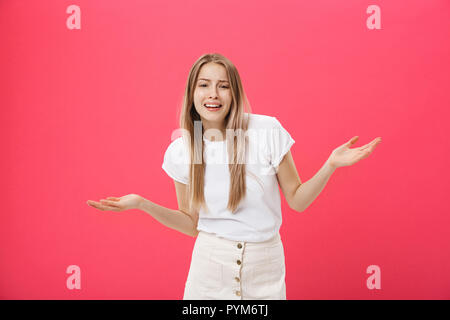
352 141
102 207
364 147
370 144
376 141
373 144
113 198
109 203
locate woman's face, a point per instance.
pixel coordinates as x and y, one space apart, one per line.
212 87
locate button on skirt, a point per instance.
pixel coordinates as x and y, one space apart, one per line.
223 269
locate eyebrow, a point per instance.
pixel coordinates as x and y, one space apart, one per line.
210 80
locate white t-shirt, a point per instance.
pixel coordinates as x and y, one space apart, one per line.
258 216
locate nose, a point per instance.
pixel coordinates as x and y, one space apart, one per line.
213 92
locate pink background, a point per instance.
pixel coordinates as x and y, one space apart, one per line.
87 114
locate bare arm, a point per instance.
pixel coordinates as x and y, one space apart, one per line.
300 195
182 219
174 219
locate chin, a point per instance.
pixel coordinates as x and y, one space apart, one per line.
214 114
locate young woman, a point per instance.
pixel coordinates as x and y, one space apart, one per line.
227 167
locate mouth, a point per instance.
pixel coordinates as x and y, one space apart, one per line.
212 107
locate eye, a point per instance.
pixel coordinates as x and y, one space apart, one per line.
204 85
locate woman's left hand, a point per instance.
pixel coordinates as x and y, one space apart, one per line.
344 156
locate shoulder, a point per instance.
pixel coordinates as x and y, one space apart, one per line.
176 143
175 162
261 121
177 148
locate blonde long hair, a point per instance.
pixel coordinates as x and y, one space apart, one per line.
235 120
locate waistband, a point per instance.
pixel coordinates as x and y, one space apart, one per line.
214 239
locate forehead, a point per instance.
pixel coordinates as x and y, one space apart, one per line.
213 71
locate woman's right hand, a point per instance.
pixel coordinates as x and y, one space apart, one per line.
130 201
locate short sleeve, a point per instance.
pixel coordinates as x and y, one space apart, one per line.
175 162
279 143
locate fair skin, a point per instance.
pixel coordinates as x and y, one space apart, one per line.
300 195
213 86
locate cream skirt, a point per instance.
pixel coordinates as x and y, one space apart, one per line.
223 269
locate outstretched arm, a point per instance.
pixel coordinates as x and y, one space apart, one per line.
300 195
182 220
175 219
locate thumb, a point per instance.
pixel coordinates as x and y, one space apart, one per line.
352 140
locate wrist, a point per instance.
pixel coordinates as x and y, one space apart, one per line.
330 165
140 204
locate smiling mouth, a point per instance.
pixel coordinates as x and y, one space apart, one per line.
212 107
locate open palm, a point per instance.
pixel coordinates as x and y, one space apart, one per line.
130 201
344 156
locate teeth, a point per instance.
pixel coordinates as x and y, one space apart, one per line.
212 105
